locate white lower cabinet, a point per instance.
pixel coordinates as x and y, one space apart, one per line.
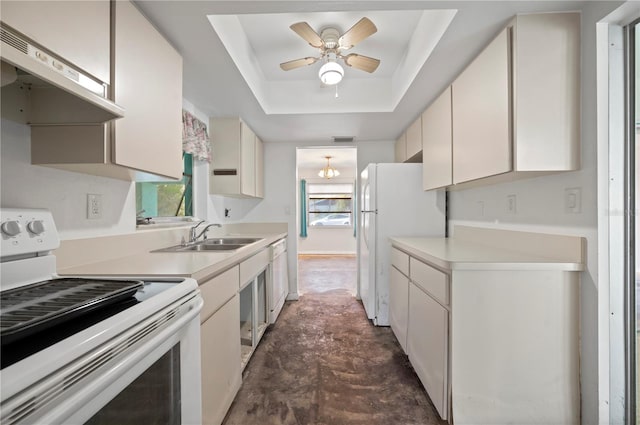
220 345
221 379
418 294
399 306
428 346
496 340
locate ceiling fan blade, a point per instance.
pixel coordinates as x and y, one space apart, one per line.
361 30
364 63
305 31
297 63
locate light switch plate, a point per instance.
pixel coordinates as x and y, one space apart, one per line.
573 200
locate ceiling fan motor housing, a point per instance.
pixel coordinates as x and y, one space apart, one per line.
331 37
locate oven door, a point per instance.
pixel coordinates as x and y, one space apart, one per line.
149 374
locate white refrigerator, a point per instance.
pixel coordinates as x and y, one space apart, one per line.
392 203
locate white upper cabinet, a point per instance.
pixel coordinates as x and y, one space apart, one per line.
259 168
148 84
414 139
77 31
237 168
481 121
514 111
437 143
547 92
248 161
401 148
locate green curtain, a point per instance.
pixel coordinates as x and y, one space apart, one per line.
303 208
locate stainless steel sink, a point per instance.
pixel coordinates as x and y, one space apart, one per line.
207 245
229 241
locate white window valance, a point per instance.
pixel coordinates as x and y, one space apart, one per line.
194 137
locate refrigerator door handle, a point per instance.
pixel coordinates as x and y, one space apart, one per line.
370 211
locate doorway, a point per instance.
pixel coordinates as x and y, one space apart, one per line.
327 219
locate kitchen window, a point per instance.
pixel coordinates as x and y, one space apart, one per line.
167 198
330 204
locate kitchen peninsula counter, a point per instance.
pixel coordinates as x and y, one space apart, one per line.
137 260
489 319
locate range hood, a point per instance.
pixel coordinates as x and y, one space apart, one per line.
58 93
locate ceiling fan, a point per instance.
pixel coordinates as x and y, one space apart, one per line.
331 45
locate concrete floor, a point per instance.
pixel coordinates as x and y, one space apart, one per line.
324 363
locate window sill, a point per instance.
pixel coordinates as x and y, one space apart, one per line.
167 222
331 227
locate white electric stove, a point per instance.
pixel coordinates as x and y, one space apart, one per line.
91 350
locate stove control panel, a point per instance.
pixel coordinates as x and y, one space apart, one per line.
27 231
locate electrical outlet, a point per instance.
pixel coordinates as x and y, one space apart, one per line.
94 206
573 200
480 208
511 204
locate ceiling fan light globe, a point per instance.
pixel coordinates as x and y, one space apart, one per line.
331 73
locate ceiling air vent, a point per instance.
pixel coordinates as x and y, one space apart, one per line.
343 139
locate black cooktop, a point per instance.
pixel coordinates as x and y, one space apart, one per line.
36 316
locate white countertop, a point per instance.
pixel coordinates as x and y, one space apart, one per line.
455 254
199 265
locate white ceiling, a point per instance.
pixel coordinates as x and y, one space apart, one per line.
213 83
258 43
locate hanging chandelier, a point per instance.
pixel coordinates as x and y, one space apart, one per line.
328 172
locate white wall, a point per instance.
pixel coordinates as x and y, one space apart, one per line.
323 240
540 208
328 241
63 192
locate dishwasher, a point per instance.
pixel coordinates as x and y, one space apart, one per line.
278 278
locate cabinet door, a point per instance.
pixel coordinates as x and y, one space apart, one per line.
220 349
482 142
225 143
399 306
77 31
148 84
427 346
248 160
401 148
414 138
259 168
436 143
547 91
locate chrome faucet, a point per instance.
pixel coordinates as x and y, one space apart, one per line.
194 236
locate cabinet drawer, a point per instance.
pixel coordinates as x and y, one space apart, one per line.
431 280
254 265
400 260
217 291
